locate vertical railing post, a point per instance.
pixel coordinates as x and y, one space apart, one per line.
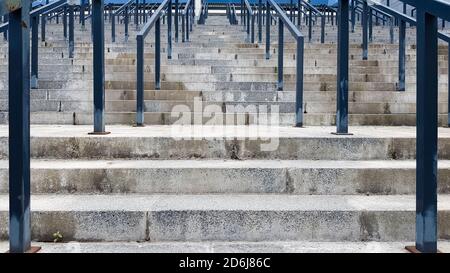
191 21
253 29
158 54
71 31
353 17
113 27
260 10
176 20
365 42
401 56
247 18
19 129
140 81
322 29
169 30
242 12
98 31
391 30
342 66
136 15
370 25
280 53
34 51
310 25
291 4
188 11
5 33
126 23
427 138
43 25
82 11
64 18
299 83
299 14
268 23
183 26
448 86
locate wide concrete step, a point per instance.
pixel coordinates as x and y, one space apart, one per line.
168 118
224 142
225 217
196 105
322 177
227 247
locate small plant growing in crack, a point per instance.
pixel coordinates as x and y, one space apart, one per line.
57 237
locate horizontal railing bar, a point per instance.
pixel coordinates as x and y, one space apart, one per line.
122 8
155 16
48 7
408 19
311 7
290 26
438 8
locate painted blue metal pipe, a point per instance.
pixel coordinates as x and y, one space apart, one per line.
365 41
34 51
342 66
401 56
98 31
268 23
19 129
71 32
280 53
427 138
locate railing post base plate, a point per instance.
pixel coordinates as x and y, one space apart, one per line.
413 249
341 134
99 133
33 249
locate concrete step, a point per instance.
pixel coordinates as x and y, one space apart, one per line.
322 177
225 217
168 118
227 247
224 142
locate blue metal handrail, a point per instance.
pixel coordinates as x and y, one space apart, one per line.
187 20
203 12
231 13
283 20
313 9
154 20
403 19
124 9
249 17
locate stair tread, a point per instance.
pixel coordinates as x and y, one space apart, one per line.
224 202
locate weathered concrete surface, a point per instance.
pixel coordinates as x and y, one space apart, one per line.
225 142
225 217
225 176
228 247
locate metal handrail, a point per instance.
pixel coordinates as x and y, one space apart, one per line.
203 13
155 20
322 21
283 20
34 16
187 20
121 10
249 17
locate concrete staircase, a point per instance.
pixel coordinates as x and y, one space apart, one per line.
242 182
225 75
